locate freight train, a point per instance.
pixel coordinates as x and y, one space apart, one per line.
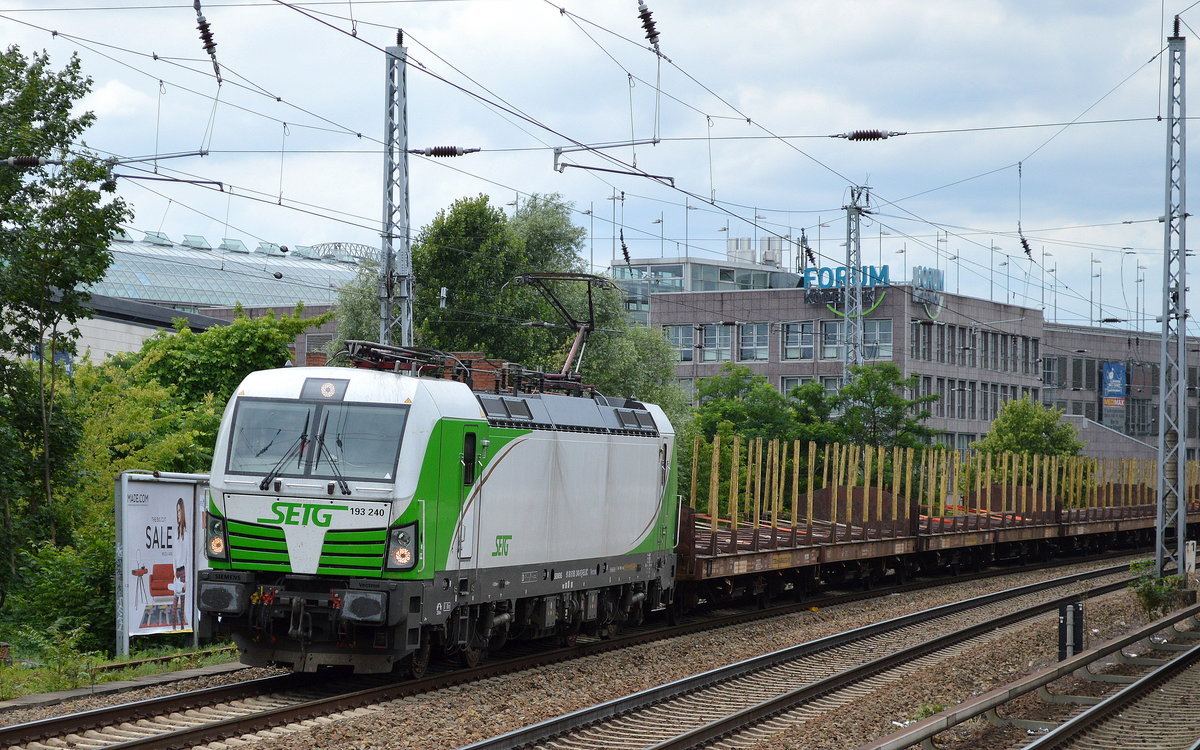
374 517
371 517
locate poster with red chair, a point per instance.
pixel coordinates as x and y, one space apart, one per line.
157 522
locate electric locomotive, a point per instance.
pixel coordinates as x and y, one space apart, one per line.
369 518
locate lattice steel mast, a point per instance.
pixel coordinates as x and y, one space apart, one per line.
1171 526
853 350
396 278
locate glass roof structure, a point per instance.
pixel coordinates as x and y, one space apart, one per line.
192 274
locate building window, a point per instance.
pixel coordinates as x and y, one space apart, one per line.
832 384
683 341
798 340
941 342
939 406
1091 375
788 382
914 339
831 339
753 342
877 339
715 343
970 399
689 387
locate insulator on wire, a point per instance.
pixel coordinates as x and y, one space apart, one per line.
26 161
648 23
624 248
867 135
1025 245
442 151
206 39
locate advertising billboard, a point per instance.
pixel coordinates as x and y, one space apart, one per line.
1113 389
157 529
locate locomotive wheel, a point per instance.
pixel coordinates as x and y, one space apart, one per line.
418 661
471 656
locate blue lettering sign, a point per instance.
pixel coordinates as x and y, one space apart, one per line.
836 277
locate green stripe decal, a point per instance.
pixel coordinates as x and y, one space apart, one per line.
243 542
247 529
368 535
254 555
270 567
374 563
333 548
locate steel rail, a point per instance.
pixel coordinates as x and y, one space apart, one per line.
927 728
1093 718
130 712
551 728
33 731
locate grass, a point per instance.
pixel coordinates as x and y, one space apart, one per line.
30 677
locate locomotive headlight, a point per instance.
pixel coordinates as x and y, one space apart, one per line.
402 548
215 545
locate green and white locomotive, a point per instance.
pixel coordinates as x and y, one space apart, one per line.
369 518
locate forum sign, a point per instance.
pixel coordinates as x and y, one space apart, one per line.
928 285
826 285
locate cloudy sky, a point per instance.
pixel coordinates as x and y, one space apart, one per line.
1038 116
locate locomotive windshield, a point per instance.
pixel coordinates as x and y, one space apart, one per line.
316 439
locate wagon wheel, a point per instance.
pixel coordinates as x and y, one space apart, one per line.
568 634
471 655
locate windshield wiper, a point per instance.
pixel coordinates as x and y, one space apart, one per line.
337 473
296 450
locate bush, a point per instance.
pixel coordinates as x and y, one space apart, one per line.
58 646
1156 596
65 588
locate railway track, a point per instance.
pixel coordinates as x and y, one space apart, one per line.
739 705
189 719
1155 709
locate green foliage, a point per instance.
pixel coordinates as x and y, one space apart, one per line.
1025 426
928 709
1156 596
637 362
751 406
65 587
130 420
357 309
23 518
58 222
471 250
875 411
55 225
59 646
552 242
215 362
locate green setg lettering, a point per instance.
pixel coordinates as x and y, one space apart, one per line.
301 514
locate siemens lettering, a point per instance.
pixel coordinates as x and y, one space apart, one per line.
832 278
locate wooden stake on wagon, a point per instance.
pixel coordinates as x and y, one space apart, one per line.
714 477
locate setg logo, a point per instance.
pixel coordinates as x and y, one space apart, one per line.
301 514
502 545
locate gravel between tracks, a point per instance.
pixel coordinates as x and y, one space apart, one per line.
458 716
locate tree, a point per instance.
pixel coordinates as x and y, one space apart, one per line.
552 242
637 362
215 361
55 222
875 411
471 251
1025 426
751 405
357 309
